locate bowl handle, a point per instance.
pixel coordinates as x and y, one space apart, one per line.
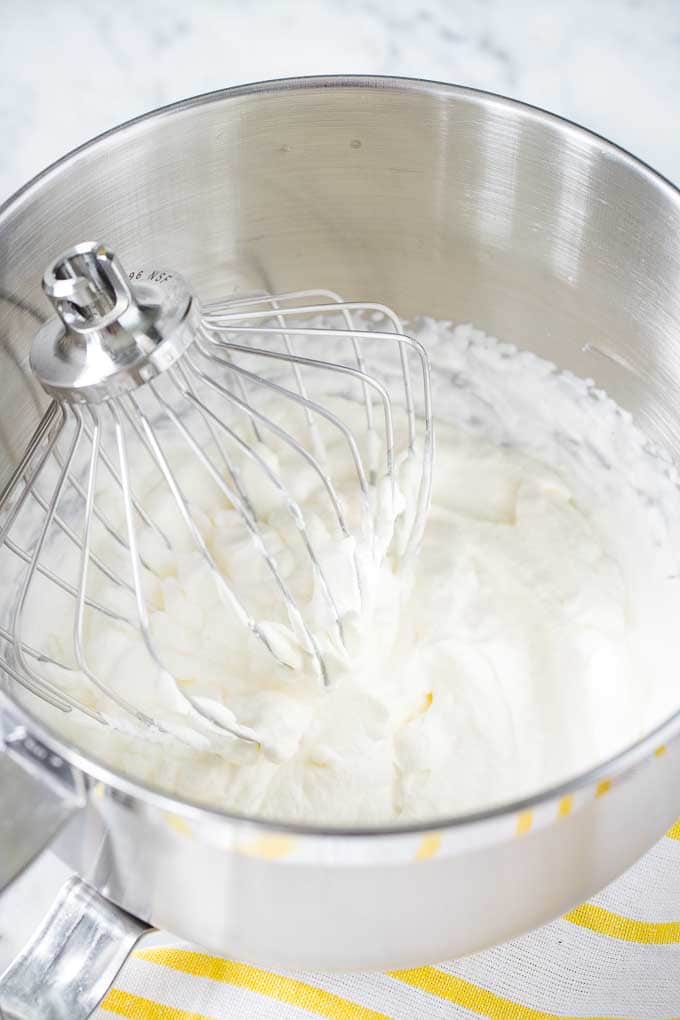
68 966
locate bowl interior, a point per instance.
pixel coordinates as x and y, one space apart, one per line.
427 197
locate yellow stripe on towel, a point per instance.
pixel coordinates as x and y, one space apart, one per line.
474 997
275 986
430 845
524 822
136 1008
605 922
565 806
674 831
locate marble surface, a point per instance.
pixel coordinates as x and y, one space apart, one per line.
72 68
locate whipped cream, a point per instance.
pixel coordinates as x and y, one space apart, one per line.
534 635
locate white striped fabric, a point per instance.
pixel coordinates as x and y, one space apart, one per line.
614 958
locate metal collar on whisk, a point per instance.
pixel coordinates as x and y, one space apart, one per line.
109 338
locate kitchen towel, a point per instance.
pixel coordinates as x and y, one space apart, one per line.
616 957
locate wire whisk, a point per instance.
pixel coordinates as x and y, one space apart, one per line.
299 425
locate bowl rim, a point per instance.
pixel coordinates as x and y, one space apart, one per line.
613 768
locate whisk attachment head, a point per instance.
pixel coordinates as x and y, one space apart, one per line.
113 332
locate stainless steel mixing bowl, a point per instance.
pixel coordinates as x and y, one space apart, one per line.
430 198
